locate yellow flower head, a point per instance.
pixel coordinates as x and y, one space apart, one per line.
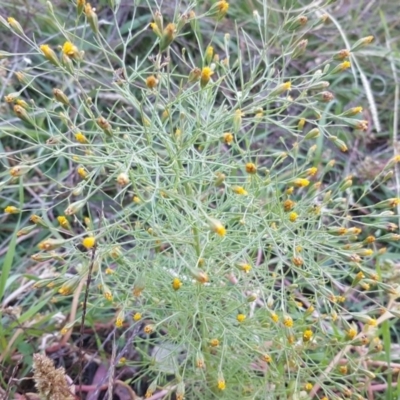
176 283
108 295
312 171
151 82
251 168
351 333
307 335
89 242
227 138
345 65
288 205
137 316
80 137
11 210
301 182
148 329
82 172
70 50
217 227
239 190
240 317
308 386
214 342
63 221
205 76
267 358
245 268
275 317
288 321
221 384
293 216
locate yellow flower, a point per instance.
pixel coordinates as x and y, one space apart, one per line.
89 242
312 171
63 221
123 179
301 123
70 50
217 227
119 323
307 335
214 342
205 77
267 358
151 82
275 317
221 384
148 329
301 182
251 168
283 87
308 386
343 369
176 283
80 137
288 321
137 316
49 54
293 216
288 204
227 138
345 65
222 7
245 268
351 333
65 290
240 317
136 199
298 261
82 172
239 190
209 53
108 295
12 210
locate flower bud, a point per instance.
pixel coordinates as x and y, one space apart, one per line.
342 55
314 133
51 244
300 49
26 230
49 54
92 18
168 36
362 42
338 143
60 96
21 113
205 76
295 23
324 97
341 67
15 25
105 126
221 9
79 6
75 207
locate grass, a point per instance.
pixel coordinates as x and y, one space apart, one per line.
196 237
